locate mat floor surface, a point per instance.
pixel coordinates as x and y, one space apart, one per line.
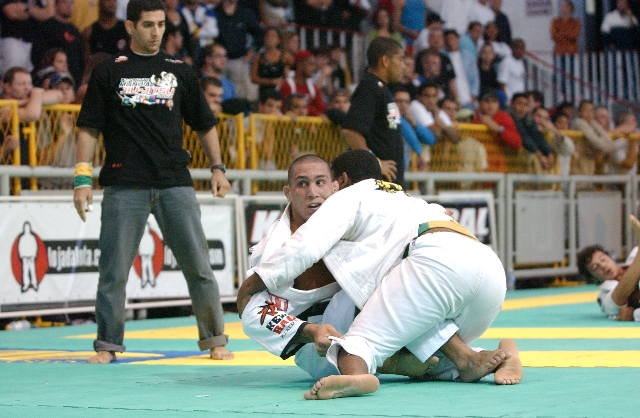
577 364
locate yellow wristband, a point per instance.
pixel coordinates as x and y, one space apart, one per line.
83 169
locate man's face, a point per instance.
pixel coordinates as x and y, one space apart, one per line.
429 97
270 107
299 107
341 102
396 67
475 32
562 123
489 107
64 8
146 34
436 39
409 66
622 6
20 87
403 100
177 39
213 96
602 116
60 63
603 267
517 50
586 112
452 42
450 108
310 186
520 106
433 65
109 6
218 58
68 94
541 118
307 67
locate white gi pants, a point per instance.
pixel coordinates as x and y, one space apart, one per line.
449 283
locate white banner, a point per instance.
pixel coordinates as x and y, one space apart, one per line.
49 256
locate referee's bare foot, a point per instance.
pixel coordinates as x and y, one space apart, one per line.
102 357
221 353
510 371
482 364
343 386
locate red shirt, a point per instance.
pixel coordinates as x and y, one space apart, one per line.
506 141
316 102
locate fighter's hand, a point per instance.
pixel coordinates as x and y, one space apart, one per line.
219 183
83 196
321 338
389 169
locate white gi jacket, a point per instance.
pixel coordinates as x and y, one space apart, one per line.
360 232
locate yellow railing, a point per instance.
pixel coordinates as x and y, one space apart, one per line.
268 143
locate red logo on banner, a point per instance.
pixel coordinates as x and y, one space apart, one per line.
29 261
150 258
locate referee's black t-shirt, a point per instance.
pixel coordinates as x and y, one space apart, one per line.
138 103
375 115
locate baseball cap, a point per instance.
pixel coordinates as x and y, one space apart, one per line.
59 77
302 55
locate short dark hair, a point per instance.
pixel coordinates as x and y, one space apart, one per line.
381 47
446 99
289 100
302 159
537 95
450 32
472 24
584 102
622 117
359 165
269 94
518 96
10 74
136 7
428 84
584 257
210 81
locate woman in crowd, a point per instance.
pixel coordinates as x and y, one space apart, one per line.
268 69
383 26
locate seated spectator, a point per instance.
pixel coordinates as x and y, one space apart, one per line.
473 155
464 66
301 83
620 27
65 83
502 128
447 72
624 160
296 105
201 20
383 26
603 118
338 107
511 71
430 71
270 103
561 144
324 69
215 62
290 47
8 144
53 61
491 35
488 73
540 157
410 79
431 21
425 112
619 296
341 77
597 143
566 108
107 34
413 133
268 70
172 43
469 40
59 32
451 107
535 100
191 46
213 92
17 20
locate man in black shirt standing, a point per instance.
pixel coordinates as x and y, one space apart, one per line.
373 121
138 101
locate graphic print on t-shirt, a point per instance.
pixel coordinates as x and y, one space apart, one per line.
150 91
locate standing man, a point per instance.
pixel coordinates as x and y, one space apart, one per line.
373 121
145 172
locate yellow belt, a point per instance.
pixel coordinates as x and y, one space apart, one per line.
450 225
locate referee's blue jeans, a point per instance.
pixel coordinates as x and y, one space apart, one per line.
125 211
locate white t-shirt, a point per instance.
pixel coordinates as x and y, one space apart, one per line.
608 306
615 20
512 74
425 117
462 83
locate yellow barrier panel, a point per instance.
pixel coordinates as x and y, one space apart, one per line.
275 142
10 127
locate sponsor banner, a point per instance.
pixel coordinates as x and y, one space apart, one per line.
474 211
50 256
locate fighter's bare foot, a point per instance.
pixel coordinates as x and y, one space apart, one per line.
405 363
481 364
102 357
221 353
343 386
510 371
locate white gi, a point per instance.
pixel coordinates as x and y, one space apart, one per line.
607 305
449 283
272 318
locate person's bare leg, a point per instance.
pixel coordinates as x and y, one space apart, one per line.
354 380
404 363
510 371
102 357
472 365
221 353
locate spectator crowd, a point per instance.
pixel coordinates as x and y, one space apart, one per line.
462 63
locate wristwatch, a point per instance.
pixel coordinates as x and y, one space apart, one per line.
220 167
